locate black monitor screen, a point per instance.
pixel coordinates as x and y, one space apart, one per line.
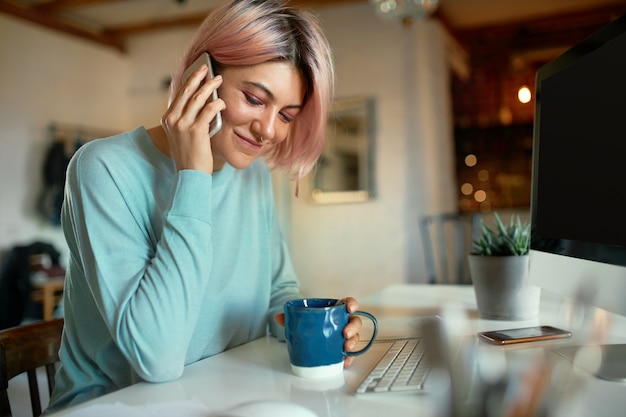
579 154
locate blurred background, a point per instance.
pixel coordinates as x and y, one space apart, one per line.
449 131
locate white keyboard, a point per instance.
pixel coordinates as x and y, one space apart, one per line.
402 368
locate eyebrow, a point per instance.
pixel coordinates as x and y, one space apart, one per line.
271 95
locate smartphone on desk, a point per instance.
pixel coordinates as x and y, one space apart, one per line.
524 334
205 59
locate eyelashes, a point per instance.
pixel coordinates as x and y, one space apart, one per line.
256 102
252 100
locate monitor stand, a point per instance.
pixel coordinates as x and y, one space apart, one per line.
612 367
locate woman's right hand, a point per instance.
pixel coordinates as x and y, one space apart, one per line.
186 122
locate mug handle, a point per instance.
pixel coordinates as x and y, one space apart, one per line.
369 344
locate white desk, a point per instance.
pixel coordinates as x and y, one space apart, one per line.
260 369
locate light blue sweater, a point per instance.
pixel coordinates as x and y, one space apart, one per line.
166 268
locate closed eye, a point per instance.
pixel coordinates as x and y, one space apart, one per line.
286 117
252 100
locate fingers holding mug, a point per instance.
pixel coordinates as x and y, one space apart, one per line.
351 345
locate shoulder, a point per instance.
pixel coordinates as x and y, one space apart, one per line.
100 149
113 162
108 154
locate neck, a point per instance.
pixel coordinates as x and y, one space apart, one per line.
159 138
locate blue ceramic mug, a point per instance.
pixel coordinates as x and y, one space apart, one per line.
314 333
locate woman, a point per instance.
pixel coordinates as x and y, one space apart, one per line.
175 251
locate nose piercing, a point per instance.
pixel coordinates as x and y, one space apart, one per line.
262 139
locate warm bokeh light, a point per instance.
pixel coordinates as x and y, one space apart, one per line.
471 160
480 196
524 95
506 115
483 175
467 188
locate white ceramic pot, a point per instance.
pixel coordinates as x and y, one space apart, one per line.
502 289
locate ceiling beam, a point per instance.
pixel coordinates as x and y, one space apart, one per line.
47 14
158 24
497 48
58 24
57 5
43 14
123 31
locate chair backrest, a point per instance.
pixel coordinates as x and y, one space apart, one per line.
447 240
24 349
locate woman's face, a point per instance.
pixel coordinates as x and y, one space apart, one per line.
261 102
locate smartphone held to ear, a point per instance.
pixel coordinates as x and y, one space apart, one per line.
205 59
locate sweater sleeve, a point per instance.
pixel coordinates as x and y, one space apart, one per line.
144 286
285 284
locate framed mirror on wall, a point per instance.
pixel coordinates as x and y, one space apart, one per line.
345 171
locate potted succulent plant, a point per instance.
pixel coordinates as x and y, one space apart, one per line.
498 267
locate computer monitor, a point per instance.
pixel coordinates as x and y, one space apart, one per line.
578 203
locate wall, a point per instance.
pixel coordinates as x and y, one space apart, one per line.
351 249
153 57
354 249
49 77
46 77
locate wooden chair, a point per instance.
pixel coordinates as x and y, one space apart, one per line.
447 240
24 349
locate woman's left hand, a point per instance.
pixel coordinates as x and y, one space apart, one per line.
351 331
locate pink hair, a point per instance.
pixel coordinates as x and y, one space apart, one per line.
249 32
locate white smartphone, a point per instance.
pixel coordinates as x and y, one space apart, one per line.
522 335
205 59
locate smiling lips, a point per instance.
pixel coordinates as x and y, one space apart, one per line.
249 142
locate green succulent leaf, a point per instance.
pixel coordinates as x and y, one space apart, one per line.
505 240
